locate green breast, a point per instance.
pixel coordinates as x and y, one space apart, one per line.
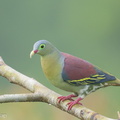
52 67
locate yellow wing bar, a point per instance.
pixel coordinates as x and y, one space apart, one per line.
89 80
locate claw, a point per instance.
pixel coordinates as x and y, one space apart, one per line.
63 98
72 103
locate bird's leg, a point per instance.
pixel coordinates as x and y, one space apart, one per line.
63 98
72 103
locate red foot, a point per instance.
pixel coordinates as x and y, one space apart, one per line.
63 98
72 103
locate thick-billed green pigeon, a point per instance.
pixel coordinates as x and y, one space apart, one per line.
70 73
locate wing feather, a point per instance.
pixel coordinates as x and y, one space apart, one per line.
78 72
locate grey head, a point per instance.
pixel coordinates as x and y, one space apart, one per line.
42 47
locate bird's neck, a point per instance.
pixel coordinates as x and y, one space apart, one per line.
52 64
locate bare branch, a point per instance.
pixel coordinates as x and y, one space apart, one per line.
41 94
32 97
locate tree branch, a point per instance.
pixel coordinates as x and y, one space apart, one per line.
40 93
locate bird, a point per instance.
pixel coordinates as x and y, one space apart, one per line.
71 73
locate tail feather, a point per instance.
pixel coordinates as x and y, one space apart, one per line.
114 82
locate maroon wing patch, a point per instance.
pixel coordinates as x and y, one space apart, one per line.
76 68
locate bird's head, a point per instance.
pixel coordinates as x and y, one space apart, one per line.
42 47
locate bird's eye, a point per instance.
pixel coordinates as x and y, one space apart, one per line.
42 46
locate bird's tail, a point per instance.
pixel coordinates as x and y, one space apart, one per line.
114 82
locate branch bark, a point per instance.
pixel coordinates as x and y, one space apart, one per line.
40 93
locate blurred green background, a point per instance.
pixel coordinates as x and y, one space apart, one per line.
89 29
